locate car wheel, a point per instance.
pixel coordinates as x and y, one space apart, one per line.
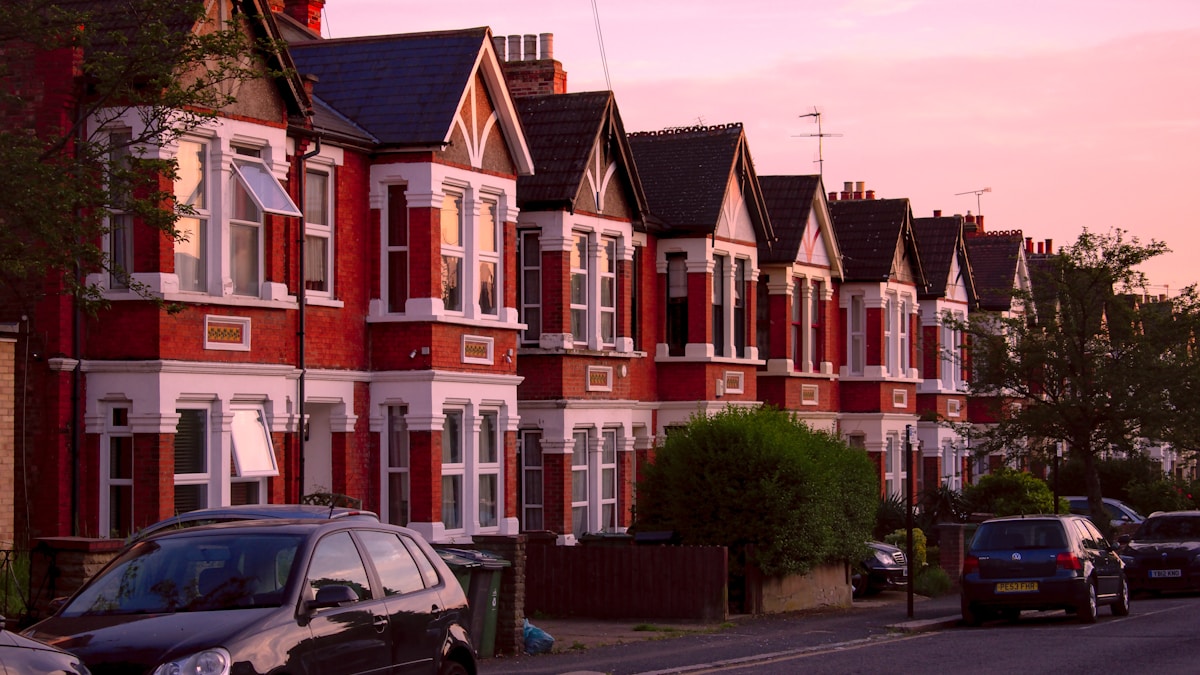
452 667
970 615
1086 612
1121 606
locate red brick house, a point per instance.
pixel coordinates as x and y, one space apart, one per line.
878 303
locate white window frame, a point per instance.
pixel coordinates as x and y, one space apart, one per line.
581 491
739 332
118 240
200 202
117 430
857 334
395 250
208 452
319 231
720 306
889 335
579 286
489 254
532 475
531 294
607 483
488 468
454 471
905 334
453 250
396 466
606 273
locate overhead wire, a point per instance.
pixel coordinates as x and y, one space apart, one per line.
600 40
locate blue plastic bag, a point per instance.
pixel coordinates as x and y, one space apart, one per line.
537 641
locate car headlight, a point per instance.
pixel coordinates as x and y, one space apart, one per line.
208 662
884 558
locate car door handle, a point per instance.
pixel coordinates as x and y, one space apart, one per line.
381 623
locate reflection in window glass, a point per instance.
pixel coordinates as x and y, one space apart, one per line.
397 570
336 561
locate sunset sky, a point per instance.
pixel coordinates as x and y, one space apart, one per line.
1076 113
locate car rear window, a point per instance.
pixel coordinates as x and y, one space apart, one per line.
1019 534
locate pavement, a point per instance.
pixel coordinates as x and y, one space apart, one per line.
575 634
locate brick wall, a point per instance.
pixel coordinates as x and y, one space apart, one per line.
8 464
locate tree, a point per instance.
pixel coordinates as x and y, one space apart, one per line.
1092 362
766 486
73 74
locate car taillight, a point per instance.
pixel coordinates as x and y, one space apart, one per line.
970 564
1068 561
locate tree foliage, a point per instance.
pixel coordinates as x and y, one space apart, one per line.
1092 361
1006 492
759 480
132 60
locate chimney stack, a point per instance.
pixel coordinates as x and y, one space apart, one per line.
307 12
1041 248
937 213
1049 246
1029 244
529 72
979 222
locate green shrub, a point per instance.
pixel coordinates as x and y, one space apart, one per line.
932 582
890 515
899 538
1163 494
764 485
1009 493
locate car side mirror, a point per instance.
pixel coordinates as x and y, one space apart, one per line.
333 595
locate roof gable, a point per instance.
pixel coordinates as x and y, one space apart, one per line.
876 240
944 257
997 260
686 174
410 91
801 222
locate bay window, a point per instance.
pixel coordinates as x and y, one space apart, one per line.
397 487
816 328
116 463
120 222
798 359
607 269
579 483
531 486
191 460
857 337
718 305
453 469
191 193
741 286
397 248
677 306
486 239
487 470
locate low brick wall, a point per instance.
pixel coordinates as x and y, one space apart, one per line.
60 565
823 586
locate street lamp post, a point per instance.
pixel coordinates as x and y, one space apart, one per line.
1058 452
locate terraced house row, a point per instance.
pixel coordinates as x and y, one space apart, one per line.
421 272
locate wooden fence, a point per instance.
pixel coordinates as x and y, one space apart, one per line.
627 582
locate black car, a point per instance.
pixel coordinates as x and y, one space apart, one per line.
228 514
885 568
280 596
23 656
1041 562
1164 553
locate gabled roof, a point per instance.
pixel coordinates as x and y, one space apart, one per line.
995 259
869 232
940 239
686 172
563 131
791 200
332 124
406 90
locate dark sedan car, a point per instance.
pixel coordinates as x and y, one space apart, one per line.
1041 562
229 514
341 596
885 568
23 656
1164 553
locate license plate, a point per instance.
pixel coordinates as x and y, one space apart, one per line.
1165 574
1017 587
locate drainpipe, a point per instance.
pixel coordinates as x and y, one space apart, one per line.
301 363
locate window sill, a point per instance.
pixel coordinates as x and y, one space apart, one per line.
321 301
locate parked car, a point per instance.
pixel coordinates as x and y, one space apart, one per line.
1164 553
225 514
347 595
1121 516
885 568
1041 562
20 655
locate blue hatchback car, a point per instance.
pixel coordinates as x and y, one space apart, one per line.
1039 563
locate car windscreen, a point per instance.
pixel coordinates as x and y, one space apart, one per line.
1169 527
216 571
1019 534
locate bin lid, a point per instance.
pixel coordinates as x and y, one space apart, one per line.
485 559
453 558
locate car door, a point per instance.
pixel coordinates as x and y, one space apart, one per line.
1107 563
414 608
353 637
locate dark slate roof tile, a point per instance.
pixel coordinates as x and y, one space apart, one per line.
938 240
561 131
868 232
789 200
994 262
329 120
402 89
685 173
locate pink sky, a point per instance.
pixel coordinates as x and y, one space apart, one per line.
1077 113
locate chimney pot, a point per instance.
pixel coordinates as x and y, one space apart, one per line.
833 196
501 46
1041 247
547 45
847 196
514 47
870 194
530 47
1029 244
1049 246
848 186
970 218
937 213
979 221
860 186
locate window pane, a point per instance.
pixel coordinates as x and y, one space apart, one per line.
487 288
398 498
244 492
120 457
244 207
190 253
189 177
487 500
397 280
397 570
452 502
265 190
608 483
578 289
190 497
243 263
336 561
120 511
316 199
253 454
531 289
397 216
452 283
120 250
487 438
676 277
316 260
191 442
451 221
486 235
452 438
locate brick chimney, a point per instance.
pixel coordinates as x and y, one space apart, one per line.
529 65
307 12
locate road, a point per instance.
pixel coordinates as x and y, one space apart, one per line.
1158 636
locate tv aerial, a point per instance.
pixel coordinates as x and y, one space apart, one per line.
978 209
820 136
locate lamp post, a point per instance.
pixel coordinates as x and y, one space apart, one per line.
908 499
1058 452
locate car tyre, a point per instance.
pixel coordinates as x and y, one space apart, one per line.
1121 606
971 616
1011 615
858 584
1087 610
452 667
